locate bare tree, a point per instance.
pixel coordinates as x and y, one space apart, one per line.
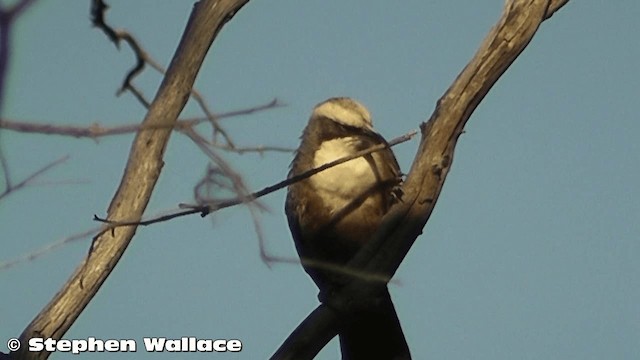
381 256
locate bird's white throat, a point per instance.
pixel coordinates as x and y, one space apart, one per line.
340 184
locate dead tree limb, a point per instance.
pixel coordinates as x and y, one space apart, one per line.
139 178
404 223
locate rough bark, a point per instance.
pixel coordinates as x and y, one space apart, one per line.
404 223
140 176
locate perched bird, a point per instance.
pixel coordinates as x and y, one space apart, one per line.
335 212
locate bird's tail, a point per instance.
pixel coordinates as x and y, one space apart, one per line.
374 334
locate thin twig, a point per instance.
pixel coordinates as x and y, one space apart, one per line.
197 96
96 131
206 209
331 267
98 17
236 179
30 178
8 15
142 58
260 149
5 168
4 265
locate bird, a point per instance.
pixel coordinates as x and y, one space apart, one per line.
333 213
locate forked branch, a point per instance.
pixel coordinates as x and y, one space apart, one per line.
402 225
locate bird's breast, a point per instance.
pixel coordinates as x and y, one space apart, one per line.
339 185
342 180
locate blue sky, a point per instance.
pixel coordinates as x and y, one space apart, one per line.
531 252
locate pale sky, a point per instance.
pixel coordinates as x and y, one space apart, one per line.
532 250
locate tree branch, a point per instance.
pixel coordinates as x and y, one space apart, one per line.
11 188
33 255
98 12
97 131
404 223
215 205
139 178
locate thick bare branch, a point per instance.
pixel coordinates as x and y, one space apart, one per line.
404 223
139 178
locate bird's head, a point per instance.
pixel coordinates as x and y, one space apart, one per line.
344 110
